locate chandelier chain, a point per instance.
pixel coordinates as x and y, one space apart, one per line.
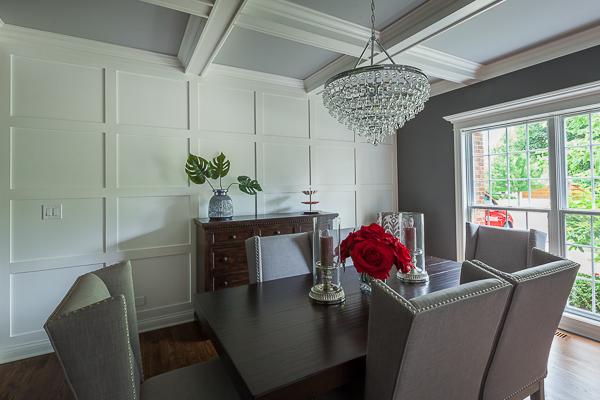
372 17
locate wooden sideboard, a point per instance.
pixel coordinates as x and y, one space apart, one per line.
220 245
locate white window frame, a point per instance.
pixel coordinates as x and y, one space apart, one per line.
548 106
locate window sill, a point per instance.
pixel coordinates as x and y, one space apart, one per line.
580 325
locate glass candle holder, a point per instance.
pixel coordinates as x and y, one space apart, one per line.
326 287
413 237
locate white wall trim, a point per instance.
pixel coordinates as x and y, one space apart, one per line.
581 326
439 64
17 33
164 321
444 87
233 72
200 8
27 350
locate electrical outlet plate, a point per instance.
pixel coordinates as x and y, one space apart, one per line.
140 301
52 211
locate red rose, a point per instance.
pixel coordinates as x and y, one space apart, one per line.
374 258
370 232
347 245
403 259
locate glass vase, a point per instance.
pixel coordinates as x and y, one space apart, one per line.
327 288
220 206
365 283
413 237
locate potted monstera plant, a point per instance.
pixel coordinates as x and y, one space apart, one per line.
200 171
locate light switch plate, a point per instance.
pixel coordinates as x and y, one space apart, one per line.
52 211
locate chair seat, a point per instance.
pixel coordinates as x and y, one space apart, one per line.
207 381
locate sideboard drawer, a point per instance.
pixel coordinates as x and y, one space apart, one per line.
276 230
229 235
226 257
226 281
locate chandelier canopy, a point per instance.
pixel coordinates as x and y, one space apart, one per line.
377 99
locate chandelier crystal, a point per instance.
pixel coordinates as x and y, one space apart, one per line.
377 99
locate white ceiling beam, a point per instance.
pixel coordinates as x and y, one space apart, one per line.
315 82
428 20
290 21
201 43
200 8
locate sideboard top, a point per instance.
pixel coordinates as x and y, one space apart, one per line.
206 223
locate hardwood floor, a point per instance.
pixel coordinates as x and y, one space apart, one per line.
573 367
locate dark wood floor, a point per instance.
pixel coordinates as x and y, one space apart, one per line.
573 368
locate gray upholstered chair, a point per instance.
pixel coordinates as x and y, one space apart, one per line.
94 334
437 345
539 294
276 257
505 249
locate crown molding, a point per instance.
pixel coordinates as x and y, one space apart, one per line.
549 51
443 87
245 74
545 99
439 64
200 8
19 35
1 23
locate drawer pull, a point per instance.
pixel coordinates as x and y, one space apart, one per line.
224 258
234 237
277 233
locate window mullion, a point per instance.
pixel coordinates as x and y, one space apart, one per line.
556 166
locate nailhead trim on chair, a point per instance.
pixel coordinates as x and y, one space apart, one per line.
256 251
62 303
395 295
525 387
519 279
126 326
465 296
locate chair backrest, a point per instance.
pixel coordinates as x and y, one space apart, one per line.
436 345
94 334
538 299
275 257
505 249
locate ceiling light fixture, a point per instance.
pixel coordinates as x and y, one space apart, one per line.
377 99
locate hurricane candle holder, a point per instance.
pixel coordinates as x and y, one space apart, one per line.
326 287
412 236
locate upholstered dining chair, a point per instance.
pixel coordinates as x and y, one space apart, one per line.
539 294
436 345
94 334
276 257
505 249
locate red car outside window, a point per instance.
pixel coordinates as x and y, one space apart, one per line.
497 217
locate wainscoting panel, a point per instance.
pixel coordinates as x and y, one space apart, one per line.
372 202
375 167
56 159
152 101
148 222
242 156
285 116
335 165
149 279
329 128
285 202
286 164
53 90
79 232
217 102
344 203
150 161
34 295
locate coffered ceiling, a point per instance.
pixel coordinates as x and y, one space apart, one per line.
456 42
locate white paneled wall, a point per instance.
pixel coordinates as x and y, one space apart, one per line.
107 140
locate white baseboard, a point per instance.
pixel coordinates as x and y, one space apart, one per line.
43 346
25 351
580 326
163 321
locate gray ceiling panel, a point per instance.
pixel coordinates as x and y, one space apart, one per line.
359 11
130 23
514 26
257 51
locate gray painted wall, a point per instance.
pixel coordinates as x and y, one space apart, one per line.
426 145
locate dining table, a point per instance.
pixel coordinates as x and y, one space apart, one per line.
277 344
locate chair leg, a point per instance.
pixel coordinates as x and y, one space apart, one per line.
539 395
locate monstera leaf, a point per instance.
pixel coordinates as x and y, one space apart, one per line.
196 168
219 167
248 185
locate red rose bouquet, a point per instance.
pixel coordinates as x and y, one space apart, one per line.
374 252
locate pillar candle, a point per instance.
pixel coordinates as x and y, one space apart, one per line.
326 250
410 235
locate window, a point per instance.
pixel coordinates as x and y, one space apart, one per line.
535 163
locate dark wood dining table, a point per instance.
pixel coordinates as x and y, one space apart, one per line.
276 344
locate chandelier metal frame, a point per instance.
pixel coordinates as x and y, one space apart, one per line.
377 99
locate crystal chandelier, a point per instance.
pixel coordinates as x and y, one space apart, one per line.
377 99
